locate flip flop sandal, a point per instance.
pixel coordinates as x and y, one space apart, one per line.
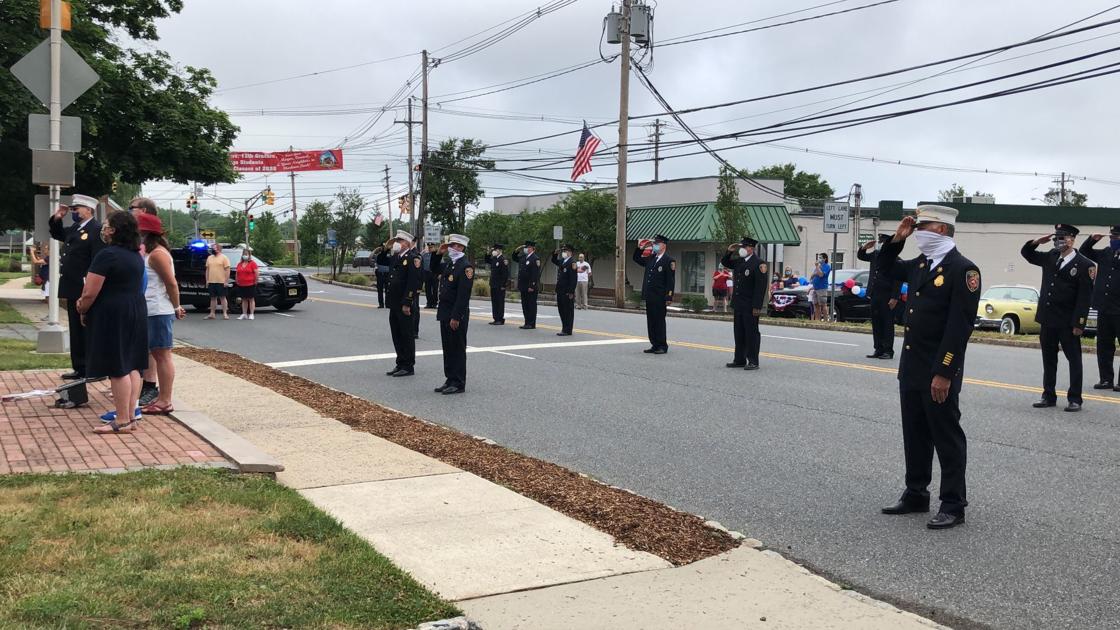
113 427
157 409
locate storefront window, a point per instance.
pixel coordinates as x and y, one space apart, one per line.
694 279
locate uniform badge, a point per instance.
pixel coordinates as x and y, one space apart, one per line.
939 269
762 268
659 268
921 265
938 281
85 235
972 280
1072 271
746 272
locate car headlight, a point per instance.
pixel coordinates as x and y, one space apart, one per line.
267 280
989 309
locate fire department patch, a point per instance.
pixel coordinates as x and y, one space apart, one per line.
538 263
85 235
972 280
1092 273
469 272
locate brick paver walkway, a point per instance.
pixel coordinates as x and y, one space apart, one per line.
35 437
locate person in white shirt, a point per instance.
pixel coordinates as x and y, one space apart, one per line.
583 281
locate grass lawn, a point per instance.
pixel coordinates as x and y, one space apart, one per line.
190 548
9 275
17 354
30 285
9 315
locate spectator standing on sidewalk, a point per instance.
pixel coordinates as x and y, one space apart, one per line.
161 296
114 312
819 280
382 261
247 275
217 275
583 281
42 269
720 277
81 243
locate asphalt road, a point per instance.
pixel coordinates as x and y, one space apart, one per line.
800 454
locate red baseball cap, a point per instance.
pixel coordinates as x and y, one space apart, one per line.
149 223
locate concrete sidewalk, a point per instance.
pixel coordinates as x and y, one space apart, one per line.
508 561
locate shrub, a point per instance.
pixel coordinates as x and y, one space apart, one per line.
359 279
694 303
10 264
481 287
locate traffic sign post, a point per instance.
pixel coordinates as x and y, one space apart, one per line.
836 221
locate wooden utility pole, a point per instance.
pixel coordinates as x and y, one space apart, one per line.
657 125
409 123
419 211
388 201
623 115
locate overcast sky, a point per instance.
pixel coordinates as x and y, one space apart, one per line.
1068 128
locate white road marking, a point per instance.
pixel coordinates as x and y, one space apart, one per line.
280 314
831 343
508 354
314 292
431 353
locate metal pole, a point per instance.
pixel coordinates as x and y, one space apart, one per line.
832 282
388 200
411 199
295 217
419 229
247 222
51 338
657 150
623 114
857 193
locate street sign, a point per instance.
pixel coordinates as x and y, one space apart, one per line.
39 133
866 236
52 168
332 238
207 235
43 211
835 218
432 233
34 72
320 238
557 232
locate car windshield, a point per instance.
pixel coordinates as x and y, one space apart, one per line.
1018 294
234 256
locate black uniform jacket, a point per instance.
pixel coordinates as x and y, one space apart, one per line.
565 275
879 285
749 280
940 311
455 282
80 245
1106 277
1066 292
660 276
404 278
528 271
499 271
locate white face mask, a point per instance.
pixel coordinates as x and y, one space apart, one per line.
742 252
565 255
454 254
495 253
932 244
245 258
396 249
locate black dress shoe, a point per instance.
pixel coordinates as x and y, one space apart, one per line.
402 372
439 390
452 389
736 365
1073 407
527 327
1042 404
392 371
887 355
563 334
660 351
497 323
1103 385
944 520
875 355
906 507
649 350
72 376
751 366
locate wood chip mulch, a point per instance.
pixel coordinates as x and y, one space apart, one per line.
635 521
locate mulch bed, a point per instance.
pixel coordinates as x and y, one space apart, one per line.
635 521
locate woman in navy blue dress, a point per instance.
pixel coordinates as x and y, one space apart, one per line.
116 318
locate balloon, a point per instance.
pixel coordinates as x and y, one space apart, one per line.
802 281
905 288
849 283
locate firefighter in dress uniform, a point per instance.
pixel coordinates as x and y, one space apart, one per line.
528 281
1063 311
1106 299
657 290
749 273
944 294
404 287
499 278
454 313
566 277
884 294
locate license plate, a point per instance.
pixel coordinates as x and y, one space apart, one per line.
293 291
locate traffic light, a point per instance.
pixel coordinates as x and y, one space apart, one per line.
114 186
190 202
270 198
252 223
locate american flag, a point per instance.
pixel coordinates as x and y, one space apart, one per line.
378 219
587 145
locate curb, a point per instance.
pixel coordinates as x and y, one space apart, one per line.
768 321
455 623
244 455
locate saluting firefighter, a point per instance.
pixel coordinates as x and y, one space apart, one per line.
944 294
404 287
657 290
1063 310
749 274
1106 299
499 278
566 277
81 242
884 293
453 313
528 281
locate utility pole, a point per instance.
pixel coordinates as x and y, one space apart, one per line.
409 123
51 338
857 196
295 217
1062 183
623 130
389 201
419 211
656 137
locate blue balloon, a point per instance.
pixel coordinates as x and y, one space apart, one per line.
905 288
803 281
859 291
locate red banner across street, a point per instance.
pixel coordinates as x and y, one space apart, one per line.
285 161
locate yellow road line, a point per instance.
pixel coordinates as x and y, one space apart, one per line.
771 355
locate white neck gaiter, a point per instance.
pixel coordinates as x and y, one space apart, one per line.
933 245
454 254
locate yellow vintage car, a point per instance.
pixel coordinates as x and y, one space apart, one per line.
1009 308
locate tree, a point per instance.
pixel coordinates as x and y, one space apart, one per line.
1073 199
451 181
347 223
488 228
232 228
955 191
265 238
588 217
313 223
805 187
732 222
146 118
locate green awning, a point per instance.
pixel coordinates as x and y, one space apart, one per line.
770 223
